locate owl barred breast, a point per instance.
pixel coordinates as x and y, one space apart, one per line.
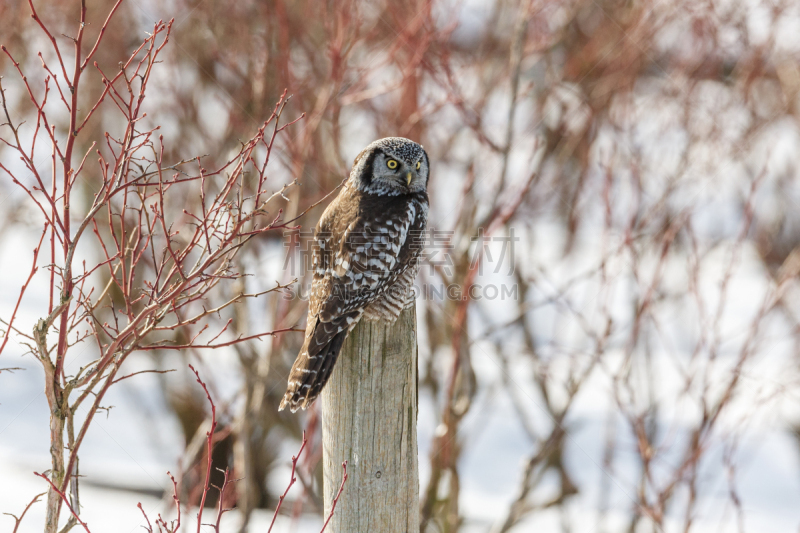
365 257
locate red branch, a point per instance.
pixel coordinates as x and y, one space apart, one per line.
336 499
22 290
291 481
18 520
149 527
65 500
210 444
220 509
163 527
177 503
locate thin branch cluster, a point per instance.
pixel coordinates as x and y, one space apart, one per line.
159 265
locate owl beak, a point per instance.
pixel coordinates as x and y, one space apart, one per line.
408 179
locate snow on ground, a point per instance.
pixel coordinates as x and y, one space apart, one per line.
137 441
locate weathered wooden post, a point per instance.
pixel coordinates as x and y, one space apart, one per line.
369 419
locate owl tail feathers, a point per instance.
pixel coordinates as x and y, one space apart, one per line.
310 373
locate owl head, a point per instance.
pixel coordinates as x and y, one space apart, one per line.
391 166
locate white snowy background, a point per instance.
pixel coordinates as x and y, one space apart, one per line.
128 451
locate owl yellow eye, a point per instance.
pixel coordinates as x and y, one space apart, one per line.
418 165
392 164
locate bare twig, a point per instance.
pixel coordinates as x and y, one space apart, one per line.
292 480
18 520
338 495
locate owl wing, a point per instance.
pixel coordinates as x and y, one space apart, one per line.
361 251
361 247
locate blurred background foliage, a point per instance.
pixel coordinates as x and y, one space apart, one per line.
642 152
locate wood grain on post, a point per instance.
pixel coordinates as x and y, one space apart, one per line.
369 419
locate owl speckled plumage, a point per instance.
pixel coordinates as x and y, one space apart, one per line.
365 257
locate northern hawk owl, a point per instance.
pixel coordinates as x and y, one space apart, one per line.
365 257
